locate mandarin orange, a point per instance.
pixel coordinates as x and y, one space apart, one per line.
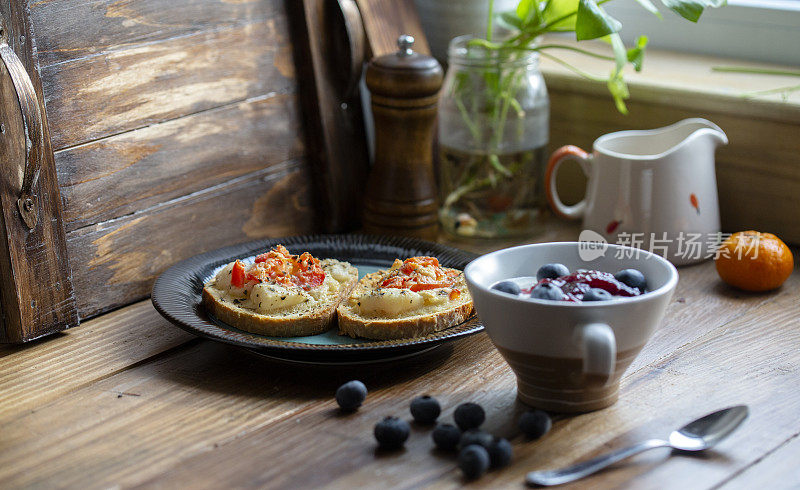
754 261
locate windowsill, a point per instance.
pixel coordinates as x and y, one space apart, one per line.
757 169
682 80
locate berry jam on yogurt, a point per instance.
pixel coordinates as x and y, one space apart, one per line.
554 282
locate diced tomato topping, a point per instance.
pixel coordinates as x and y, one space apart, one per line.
308 271
420 274
237 275
278 266
454 294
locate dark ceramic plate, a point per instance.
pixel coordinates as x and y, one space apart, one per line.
176 295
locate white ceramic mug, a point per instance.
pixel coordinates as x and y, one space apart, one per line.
569 357
654 189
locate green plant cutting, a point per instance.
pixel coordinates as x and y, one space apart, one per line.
784 91
487 98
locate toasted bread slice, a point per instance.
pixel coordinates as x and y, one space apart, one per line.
312 316
389 323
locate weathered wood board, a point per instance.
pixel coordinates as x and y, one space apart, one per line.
175 158
36 293
177 128
121 259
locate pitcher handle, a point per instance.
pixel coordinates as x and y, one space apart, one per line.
575 211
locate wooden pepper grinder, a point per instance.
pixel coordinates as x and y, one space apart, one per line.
400 197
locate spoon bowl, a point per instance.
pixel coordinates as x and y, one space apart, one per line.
697 435
707 431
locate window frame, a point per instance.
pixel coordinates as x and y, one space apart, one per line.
760 30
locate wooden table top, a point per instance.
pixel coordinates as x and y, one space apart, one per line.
127 399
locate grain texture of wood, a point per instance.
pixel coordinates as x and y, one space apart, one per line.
35 374
386 20
121 258
172 159
207 415
67 30
778 467
95 97
36 294
333 117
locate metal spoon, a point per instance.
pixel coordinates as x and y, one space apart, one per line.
697 435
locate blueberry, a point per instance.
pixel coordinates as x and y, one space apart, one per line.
351 395
473 461
509 287
446 436
469 416
500 452
425 409
392 432
475 436
551 271
632 278
547 290
535 423
596 294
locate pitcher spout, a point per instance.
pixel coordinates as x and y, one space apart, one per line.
698 129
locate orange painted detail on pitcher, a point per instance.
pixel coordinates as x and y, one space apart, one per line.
611 227
695 203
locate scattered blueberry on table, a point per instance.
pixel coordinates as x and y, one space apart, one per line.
500 452
351 395
475 436
425 409
551 271
509 287
474 461
446 436
469 416
535 423
392 432
478 449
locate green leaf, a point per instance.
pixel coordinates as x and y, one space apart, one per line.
636 53
593 22
527 10
511 20
688 9
692 9
648 5
619 91
560 15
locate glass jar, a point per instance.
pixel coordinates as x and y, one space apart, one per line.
493 132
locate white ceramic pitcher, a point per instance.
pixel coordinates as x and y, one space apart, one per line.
654 189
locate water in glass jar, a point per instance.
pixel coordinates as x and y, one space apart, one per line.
491 195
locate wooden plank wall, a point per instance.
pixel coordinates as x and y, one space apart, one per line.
176 129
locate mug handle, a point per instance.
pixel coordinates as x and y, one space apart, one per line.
575 211
599 347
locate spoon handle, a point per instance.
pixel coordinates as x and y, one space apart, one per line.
586 468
